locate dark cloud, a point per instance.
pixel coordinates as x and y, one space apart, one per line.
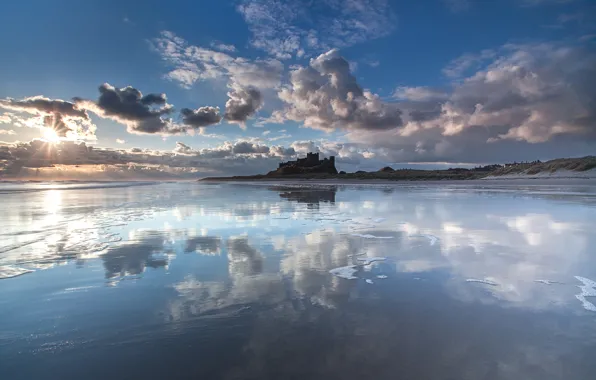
61 116
243 102
201 117
245 147
326 96
127 105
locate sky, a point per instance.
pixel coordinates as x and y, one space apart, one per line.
186 89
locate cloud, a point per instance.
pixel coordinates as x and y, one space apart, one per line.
201 117
70 160
326 96
7 132
120 141
245 147
284 28
64 118
528 101
280 137
223 47
418 93
127 105
465 62
190 63
183 148
243 102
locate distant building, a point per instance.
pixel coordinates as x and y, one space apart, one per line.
311 163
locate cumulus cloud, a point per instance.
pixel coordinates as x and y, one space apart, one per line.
65 118
243 102
326 96
120 141
244 147
201 117
533 92
127 105
285 29
183 148
246 78
7 132
517 102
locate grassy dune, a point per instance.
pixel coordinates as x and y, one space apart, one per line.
522 169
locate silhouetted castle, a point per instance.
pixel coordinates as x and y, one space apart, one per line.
310 164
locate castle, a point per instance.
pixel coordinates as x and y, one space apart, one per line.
310 164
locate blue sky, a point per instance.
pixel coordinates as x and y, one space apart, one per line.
433 58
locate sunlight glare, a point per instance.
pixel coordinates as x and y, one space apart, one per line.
50 135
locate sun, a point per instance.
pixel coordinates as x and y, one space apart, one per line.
50 135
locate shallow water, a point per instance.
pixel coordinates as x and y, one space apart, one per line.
225 281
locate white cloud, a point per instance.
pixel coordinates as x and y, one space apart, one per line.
223 47
418 93
120 141
289 28
7 132
326 96
538 95
280 137
190 64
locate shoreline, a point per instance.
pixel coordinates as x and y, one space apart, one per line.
558 181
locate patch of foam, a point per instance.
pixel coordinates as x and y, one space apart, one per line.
585 303
370 260
586 281
483 281
369 281
7 271
381 276
346 272
588 289
547 282
369 236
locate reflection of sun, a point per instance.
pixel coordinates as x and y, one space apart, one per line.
53 203
50 135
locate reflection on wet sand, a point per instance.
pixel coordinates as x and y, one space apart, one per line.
310 196
244 284
148 249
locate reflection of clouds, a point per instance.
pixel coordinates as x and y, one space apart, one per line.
243 259
510 248
246 284
147 249
308 258
310 196
207 245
